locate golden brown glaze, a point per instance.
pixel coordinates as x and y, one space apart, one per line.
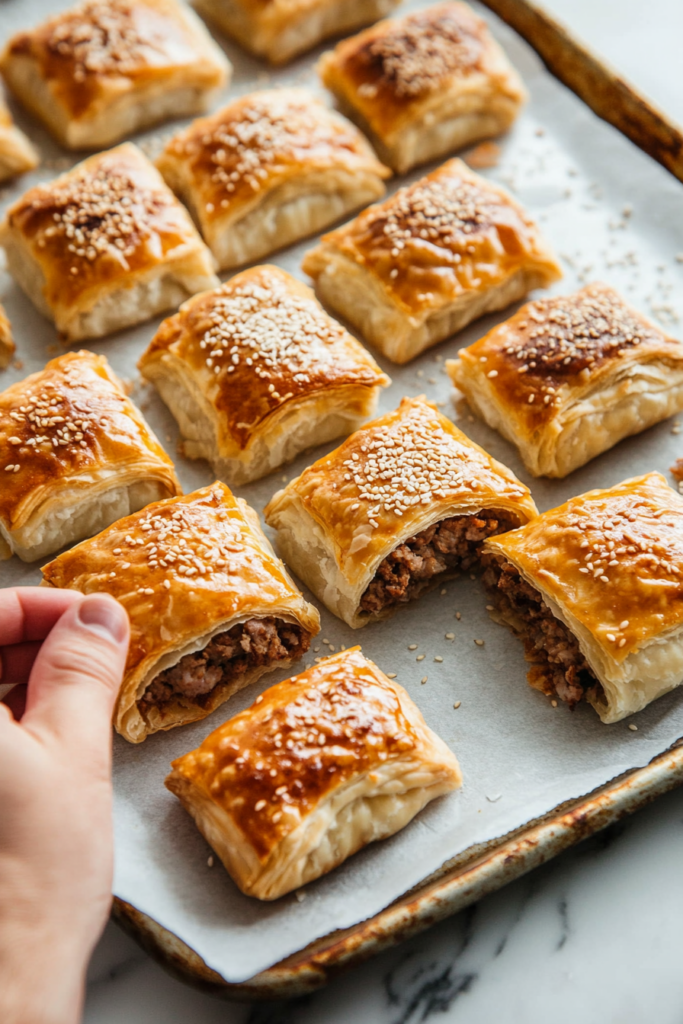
179 567
554 349
384 478
7 346
449 234
389 67
259 142
100 226
270 766
93 49
257 342
65 425
612 558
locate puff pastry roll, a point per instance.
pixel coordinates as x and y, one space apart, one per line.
75 454
437 254
318 767
210 606
567 378
106 68
268 169
282 29
105 246
425 85
400 506
256 371
7 346
593 588
17 154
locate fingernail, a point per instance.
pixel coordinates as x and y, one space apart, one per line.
104 615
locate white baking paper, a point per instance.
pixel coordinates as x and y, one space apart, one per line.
613 215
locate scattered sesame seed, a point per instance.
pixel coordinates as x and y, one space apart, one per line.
438 657
553 703
479 643
633 728
209 861
420 657
458 616
412 647
391 675
450 636
457 704
424 679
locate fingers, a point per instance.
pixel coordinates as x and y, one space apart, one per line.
17 662
29 613
77 674
15 700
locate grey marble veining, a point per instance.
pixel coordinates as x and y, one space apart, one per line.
593 937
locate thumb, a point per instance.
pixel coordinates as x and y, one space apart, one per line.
77 674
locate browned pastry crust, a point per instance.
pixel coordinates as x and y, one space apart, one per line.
279 30
420 266
17 154
75 454
426 84
268 169
188 571
104 246
608 565
103 69
7 346
319 766
256 371
567 378
399 476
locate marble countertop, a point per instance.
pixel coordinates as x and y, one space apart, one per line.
593 936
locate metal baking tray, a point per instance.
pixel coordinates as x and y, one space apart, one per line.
486 866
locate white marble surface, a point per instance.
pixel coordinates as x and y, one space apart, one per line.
595 935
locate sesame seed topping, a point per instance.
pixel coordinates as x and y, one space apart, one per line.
457 704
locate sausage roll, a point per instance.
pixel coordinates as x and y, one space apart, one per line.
105 246
106 68
425 85
269 169
7 346
280 30
402 505
318 767
256 371
17 154
75 455
567 378
211 608
434 256
593 588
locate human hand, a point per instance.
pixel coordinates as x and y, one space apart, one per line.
56 848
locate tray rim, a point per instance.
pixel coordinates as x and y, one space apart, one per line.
480 870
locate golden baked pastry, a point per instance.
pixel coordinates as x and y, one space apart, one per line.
567 378
17 154
593 588
400 506
104 69
282 29
318 767
75 454
425 85
104 246
7 346
420 266
269 169
210 606
256 371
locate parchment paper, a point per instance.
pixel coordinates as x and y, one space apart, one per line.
613 214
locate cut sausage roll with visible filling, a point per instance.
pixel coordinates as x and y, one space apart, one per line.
256 371
567 378
280 30
269 169
426 84
17 154
104 246
318 767
210 606
403 504
436 255
593 588
75 454
103 69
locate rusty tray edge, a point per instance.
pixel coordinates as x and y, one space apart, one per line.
477 873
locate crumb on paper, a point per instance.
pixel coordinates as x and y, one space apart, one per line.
486 154
210 861
300 895
18 364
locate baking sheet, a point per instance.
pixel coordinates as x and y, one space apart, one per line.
613 215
